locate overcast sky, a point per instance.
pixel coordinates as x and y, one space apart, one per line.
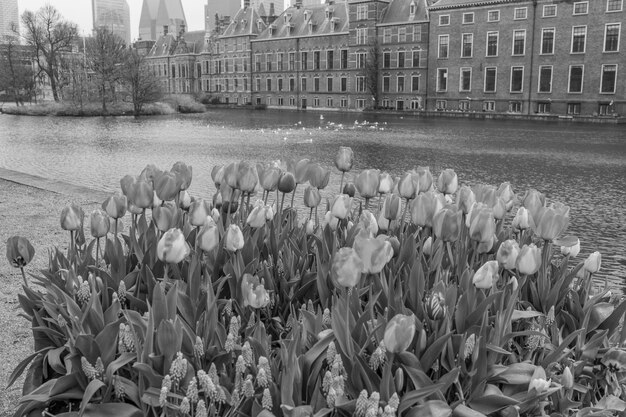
79 11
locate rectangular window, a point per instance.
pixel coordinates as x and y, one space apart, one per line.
493 16
491 75
344 84
280 84
468 45
344 102
489 105
400 84
464 105
329 102
361 59
579 38
292 61
360 103
519 42
317 60
402 35
604 109
549 10
417 33
441 104
303 84
269 84
292 84
257 62
361 12
387 35
279 61
492 43
268 61
360 84
304 58
547 41
573 108
468 18
515 106
581 7
444 42
415 83
517 79
329 84
611 37
442 79
465 80
344 58
330 59
281 102
316 102
401 59
415 59
576 73
386 80
543 107
520 13
545 79
361 36
316 84
613 5
386 59
258 84
444 20
609 78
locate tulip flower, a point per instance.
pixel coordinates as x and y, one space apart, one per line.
374 253
198 212
567 379
399 333
318 176
268 178
184 200
142 194
312 197
301 171
183 174
505 192
593 262
172 248
247 177
522 219
208 238
234 238
346 267
156 201
487 246
127 183
166 217
486 275
349 189
424 208
529 259
72 218
344 159
99 222
385 183
133 209
331 221
436 306
368 222
367 183
256 218
465 199
341 206
231 172
447 223
217 175
551 222
499 209
448 182
287 183
428 246
254 293
392 207
310 227
482 224
407 188
534 201
150 173
485 194
215 215
507 254
423 179
115 206
19 253
166 186
269 212
538 381
573 250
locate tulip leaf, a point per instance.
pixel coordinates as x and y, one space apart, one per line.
19 369
524 314
94 386
488 404
433 351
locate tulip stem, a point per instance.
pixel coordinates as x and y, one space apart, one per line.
293 196
115 234
265 195
341 184
242 208
97 251
282 203
367 203
311 213
406 207
24 276
380 199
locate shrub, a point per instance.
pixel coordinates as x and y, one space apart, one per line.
185 104
425 308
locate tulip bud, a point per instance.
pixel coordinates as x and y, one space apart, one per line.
268 178
482 226
341 206
254 293
208 238
407 187
115 206
166 186
399 333
183 174
234 238
551 222
395 244
300 171
428 246
198 212
312 197
127 184
367 183
567 379
399 379
166 216
505 192
256 218
465 199
346 267
447 223
529 259
287 183
172 248
231 172
310 227
533 201
508 253
72 218
522 219
331 221
499 209
514 283
385 183
318 176
374 253
184 200
142 194
368 222
448 182
150 173
424 208
423 179
349 189
100 223
486 275
344 159
593 262
217 175
572 251
485 194
436 306
19 251
392 207
269 212
215 215
247 177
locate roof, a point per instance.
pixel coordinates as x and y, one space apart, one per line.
245 23
191 43
398 11
454 4
294 22
163 46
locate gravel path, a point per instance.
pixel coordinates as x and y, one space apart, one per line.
33 213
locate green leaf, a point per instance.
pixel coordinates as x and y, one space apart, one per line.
489 404
112 410
433 351
19 369
91 390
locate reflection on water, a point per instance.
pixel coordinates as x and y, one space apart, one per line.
583 166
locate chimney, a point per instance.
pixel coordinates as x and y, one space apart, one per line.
298 4
246 4
272 11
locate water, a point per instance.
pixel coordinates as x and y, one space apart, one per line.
583 166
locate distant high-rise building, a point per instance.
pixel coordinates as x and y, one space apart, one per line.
268 7
161 17
9 15
221 9
307 2
114 15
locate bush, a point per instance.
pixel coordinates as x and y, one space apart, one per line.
185 104
428 309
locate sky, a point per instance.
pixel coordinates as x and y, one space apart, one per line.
79 11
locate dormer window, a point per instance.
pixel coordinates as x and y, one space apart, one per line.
334 23
310 26
259 25
272 29
291 27
329 13
307 14
287 17
412 8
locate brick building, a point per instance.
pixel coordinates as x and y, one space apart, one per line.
527 57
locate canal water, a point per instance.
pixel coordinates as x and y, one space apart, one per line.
583 166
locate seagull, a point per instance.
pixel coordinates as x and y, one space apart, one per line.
321 117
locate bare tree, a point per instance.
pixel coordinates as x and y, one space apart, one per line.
141 83
105 57
74 78
371 71
50 36
16 75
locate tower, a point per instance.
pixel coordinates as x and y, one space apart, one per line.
114 15
161 17
9 16
221 9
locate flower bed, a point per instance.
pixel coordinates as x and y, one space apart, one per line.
424 299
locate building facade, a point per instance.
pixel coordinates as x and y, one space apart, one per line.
527 57
9 16
161 18
114 15
215 10
519 57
